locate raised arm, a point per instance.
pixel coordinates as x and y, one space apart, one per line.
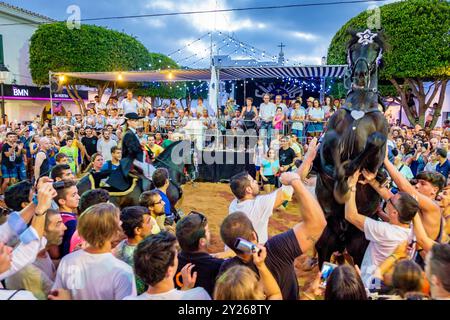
351 211
384 192
306 165
426 205
270 285
310 229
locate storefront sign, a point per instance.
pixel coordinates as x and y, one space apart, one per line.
15 92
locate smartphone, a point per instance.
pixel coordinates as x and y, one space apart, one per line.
246 246
327 269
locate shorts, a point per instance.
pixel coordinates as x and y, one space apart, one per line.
315 127
257 168
21 171
9 173
270 180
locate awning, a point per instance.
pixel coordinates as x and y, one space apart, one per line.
227 73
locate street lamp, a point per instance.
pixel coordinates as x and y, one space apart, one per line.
4 75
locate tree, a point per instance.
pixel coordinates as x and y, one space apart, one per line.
418 37
54 47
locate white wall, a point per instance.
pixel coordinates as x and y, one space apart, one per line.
27 110
16 48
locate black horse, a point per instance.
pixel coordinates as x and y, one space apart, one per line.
355 139
178 158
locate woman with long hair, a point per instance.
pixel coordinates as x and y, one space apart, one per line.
316 116
345 283
269 169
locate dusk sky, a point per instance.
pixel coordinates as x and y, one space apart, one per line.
306 31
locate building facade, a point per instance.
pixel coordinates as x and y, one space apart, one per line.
23 99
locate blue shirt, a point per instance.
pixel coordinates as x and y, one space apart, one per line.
270 167
444 168
167 207
106 166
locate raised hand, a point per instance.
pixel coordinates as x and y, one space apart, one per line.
189 277
260 257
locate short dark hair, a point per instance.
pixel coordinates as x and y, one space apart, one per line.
190 230
440 263
92 197
146 198
160 176
236 225
114 149
344 283
239 183
132 218
407 207
11 133
435 178
153 257
441 152
17 194
57 171
59 156
62 193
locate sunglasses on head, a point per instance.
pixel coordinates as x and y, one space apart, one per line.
392 204
201 215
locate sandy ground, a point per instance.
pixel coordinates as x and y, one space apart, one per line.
213 200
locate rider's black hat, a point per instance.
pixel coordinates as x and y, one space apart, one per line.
132 116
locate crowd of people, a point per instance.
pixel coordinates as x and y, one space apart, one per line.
56 244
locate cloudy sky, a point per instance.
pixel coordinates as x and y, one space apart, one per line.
306 31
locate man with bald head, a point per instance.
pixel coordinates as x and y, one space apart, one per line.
41 165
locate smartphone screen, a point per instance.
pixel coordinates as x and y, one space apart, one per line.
327 269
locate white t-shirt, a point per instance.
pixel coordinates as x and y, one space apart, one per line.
258 210
104 147
95 276
384 239
174 294
16 295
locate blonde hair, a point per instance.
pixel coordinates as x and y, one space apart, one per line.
99 224
238 283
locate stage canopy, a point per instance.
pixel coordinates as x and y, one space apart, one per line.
228 73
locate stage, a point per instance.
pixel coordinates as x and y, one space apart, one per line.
221 165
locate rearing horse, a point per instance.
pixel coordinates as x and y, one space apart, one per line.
355 139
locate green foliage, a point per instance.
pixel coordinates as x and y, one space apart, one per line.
88 49
96 49
417 33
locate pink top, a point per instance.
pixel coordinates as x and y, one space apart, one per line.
75 241
279 125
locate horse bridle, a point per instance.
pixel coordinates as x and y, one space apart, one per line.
373 65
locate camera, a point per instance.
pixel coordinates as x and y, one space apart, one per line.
246 246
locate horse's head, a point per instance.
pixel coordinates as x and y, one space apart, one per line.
180 158
364 57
